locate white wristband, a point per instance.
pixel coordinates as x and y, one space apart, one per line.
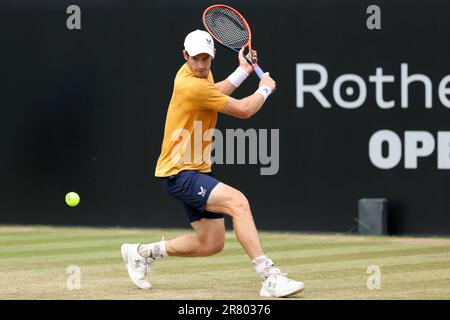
237 77
265 91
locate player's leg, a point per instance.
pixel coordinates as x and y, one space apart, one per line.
231 201
192 189
226 199
208 239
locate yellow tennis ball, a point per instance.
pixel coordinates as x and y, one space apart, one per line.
72 199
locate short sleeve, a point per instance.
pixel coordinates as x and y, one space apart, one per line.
206 96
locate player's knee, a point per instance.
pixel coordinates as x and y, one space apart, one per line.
213 246
217 246
241 206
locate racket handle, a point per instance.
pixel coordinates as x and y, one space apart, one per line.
258 70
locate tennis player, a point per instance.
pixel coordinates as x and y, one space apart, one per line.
185 170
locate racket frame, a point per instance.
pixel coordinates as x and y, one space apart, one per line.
255 66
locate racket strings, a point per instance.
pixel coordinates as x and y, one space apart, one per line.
227 27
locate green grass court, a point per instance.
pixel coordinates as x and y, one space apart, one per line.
34 262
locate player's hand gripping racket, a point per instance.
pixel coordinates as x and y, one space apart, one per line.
230 29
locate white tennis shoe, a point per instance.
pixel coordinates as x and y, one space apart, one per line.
137 265
278 285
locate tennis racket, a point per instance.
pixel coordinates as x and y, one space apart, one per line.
231 30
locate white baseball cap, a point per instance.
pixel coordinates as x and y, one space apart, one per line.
199 41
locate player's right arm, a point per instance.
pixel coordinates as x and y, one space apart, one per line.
248 106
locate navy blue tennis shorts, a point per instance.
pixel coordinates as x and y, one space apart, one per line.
192 188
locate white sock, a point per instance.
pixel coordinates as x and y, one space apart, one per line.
262 265
155 250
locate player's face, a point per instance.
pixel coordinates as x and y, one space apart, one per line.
199 64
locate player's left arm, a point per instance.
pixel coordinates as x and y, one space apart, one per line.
230 84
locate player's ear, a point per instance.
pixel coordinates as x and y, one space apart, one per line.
214 54
185 55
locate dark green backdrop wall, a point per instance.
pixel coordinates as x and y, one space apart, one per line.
84 110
